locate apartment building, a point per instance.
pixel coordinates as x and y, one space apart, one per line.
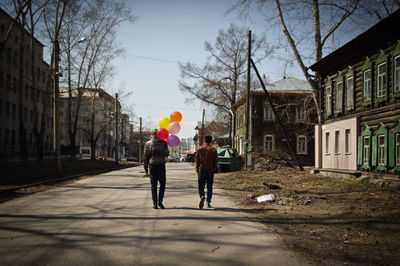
98 106
26 113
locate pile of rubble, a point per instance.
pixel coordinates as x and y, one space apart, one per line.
271 162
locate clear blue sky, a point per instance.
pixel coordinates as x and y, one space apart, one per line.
169 32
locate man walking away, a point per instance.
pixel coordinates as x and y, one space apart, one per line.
155 154
206 166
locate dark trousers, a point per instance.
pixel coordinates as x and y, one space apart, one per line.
157 174
206 178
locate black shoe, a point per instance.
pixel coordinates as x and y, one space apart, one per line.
161 205
201 204
209 205
155 206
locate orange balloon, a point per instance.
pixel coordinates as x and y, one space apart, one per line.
176 117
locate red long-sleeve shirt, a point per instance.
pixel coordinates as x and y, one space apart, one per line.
206 159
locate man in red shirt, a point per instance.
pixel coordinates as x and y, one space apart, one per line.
206 166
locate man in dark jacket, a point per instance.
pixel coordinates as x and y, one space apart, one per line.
206 166
155 154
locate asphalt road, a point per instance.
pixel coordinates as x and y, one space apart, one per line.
108 220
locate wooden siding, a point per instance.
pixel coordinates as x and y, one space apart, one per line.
286 104
340 160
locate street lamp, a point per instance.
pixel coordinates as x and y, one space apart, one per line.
141 138
56 119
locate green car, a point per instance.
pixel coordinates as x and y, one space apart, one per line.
229 160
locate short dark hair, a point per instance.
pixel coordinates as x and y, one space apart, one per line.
208 139
154 132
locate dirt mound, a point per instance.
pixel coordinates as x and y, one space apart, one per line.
271 162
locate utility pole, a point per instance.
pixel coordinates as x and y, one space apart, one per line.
202 129
56 118
140 140
116 129
247 138
277 118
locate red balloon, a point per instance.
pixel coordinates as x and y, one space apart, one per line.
162 134
176 117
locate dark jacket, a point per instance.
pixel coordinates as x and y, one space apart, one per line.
155 152
206 159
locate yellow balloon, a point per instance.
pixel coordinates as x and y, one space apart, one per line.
164 122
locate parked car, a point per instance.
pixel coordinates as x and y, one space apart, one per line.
173 158
229 160
189 157
130 158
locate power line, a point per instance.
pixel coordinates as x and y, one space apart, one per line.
154 59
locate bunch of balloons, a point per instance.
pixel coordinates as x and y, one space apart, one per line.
169 128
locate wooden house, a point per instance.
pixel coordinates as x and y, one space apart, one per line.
360 99
292 99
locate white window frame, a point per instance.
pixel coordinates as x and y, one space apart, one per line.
381 149
347 141
380 83
337 142
272 143
301 144
328 99
367 85
396 74
350 92
268 112
366 148
300 113
327 143
339 96
397 143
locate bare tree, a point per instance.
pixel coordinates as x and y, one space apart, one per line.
93 22
221 81
320 21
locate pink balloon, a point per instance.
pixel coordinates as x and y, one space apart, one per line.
173 141
162 133
174 128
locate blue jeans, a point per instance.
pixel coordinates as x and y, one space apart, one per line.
157 174
206 178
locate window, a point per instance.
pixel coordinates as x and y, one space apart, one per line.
25 114
367 85
6 136
350 93
269 143
327 143
15 59
7 111
328 104
396 86
13 138
240 116
14 111
347 141
300 113
339 97
8 82
9 56
268 112
380 89
301 145
381 150
337 142
366 150
398 149
15 85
